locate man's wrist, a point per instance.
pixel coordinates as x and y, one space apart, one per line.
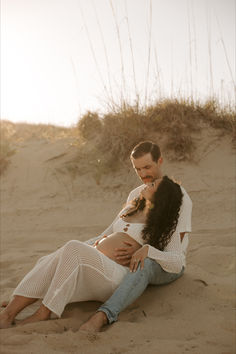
150 204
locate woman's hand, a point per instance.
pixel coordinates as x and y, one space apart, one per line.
138 256
124 254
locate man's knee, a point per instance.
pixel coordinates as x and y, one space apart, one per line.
148 261
147 268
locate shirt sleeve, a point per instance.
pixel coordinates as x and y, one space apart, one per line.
131 196
185 216
172 259
134 193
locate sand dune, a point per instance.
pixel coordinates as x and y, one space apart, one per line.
42 208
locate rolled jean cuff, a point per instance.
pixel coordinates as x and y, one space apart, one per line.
110 317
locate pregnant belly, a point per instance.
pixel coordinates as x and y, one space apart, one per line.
116 240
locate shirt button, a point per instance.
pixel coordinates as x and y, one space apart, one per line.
127 224
125 228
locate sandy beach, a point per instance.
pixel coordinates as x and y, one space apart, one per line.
42 207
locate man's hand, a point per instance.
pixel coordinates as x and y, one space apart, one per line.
150 188
124 254
138 257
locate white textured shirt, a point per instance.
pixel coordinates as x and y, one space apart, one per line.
173 257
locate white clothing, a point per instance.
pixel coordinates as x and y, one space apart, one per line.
75 272
79 272
173 258
134 230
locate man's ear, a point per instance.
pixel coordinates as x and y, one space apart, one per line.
160 161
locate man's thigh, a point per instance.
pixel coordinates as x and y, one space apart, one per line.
157 275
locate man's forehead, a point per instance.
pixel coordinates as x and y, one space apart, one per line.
143 161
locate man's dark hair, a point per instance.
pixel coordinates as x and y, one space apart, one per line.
143 148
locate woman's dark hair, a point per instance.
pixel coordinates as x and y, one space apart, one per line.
163 216
143 148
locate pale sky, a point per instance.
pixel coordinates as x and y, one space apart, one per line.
60 58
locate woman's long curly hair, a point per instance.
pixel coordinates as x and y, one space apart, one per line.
162 217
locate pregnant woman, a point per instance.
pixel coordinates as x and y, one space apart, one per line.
81 272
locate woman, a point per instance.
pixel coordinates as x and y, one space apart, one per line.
80 272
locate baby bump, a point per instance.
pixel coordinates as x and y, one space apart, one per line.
116 240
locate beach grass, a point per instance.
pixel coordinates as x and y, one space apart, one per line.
172 122
104 142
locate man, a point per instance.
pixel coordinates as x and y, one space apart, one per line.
147 161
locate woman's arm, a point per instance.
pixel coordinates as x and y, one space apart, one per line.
172 258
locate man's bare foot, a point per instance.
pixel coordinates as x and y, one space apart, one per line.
42 314
6 320
95 323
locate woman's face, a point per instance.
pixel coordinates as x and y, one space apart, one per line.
150 189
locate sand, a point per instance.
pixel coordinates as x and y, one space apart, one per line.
42 207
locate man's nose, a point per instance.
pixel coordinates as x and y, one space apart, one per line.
142 173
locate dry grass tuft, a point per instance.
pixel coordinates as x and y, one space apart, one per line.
20 132
6 150
89 125
172 123
103 143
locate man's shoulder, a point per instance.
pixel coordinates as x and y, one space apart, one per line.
135 192
186 197
138 189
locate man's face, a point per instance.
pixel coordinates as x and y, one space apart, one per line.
147 169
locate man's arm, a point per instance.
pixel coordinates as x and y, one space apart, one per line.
182 236
109 229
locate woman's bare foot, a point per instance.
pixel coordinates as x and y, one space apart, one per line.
4 303
17 304
42 314
6 319
95 323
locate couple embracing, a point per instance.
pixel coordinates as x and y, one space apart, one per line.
145 244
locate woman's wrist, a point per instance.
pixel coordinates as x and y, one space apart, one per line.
146 248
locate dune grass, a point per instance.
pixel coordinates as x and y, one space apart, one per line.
172 122
6 150
104 142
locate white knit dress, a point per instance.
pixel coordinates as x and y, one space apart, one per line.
75 272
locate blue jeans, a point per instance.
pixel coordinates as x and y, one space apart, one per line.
133 285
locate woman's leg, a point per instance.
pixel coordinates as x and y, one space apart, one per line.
42 314
75 272
32 287
83 273
17 304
